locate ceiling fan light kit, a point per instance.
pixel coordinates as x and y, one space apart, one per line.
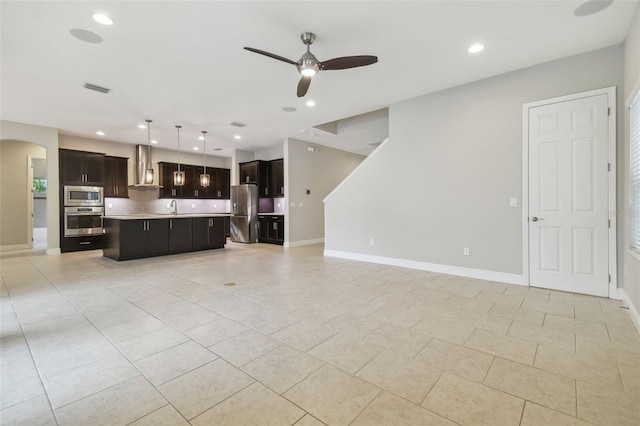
308 65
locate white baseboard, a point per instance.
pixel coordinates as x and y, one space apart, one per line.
635 316
53 251
303 242
480 274
14 247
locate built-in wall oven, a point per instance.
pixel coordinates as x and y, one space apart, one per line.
83 210
80 221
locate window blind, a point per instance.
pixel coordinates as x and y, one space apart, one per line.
634 174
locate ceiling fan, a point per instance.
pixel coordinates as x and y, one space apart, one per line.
308 65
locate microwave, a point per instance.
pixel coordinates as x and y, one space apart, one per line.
83 196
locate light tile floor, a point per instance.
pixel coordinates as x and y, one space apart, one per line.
302 339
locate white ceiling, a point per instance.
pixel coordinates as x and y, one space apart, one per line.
182 62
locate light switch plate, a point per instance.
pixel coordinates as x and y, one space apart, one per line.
513 202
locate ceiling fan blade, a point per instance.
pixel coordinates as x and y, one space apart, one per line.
303 86
348 62
271 55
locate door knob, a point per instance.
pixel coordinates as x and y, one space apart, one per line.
535 219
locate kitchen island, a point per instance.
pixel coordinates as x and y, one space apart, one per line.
146 235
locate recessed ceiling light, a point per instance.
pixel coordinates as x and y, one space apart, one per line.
201 138
101 18
310 103
100 133
304 130
312 134
289 109
237 137
476 48
154 141
592 7
195 148
141 126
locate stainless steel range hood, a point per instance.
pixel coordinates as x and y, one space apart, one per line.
143 160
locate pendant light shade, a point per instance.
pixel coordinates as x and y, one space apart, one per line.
148 173
178 176
205 179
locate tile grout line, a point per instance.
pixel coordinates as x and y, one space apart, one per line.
366 406
35 364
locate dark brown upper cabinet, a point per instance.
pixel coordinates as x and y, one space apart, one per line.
81 168
116 177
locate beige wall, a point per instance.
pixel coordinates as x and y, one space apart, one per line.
14 221
319 172
453 160
17 140
631 80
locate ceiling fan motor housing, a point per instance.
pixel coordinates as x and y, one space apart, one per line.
308 65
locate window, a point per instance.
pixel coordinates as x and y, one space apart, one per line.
634 173
40 186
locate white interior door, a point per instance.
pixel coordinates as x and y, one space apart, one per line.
568 196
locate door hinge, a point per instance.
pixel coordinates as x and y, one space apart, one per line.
609 277
609 111
609 223
608 166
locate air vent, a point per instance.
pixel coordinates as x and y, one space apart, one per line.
217 149
237 124
96 88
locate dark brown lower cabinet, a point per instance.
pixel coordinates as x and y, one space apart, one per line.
209 232
271 229
180 235
137 238
85 242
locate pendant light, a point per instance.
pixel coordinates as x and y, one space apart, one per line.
178 176
205 179
148 174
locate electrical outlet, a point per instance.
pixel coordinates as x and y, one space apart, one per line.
193 206
466 251
301 204
109 206
513 202
372 242
293 204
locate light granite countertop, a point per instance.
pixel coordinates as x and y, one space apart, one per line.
143 216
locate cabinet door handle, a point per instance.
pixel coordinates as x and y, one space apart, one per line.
170 223
219 194
85 243
282 189
275 226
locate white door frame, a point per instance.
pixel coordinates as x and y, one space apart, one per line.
611 92
30 159
30 201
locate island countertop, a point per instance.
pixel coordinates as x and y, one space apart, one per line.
144 216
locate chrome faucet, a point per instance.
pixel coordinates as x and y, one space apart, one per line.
174 204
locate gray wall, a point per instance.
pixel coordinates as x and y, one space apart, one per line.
631 81
319 172
454 158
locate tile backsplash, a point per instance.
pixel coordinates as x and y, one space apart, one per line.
145 200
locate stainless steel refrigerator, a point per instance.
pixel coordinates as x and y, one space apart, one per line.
244 214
